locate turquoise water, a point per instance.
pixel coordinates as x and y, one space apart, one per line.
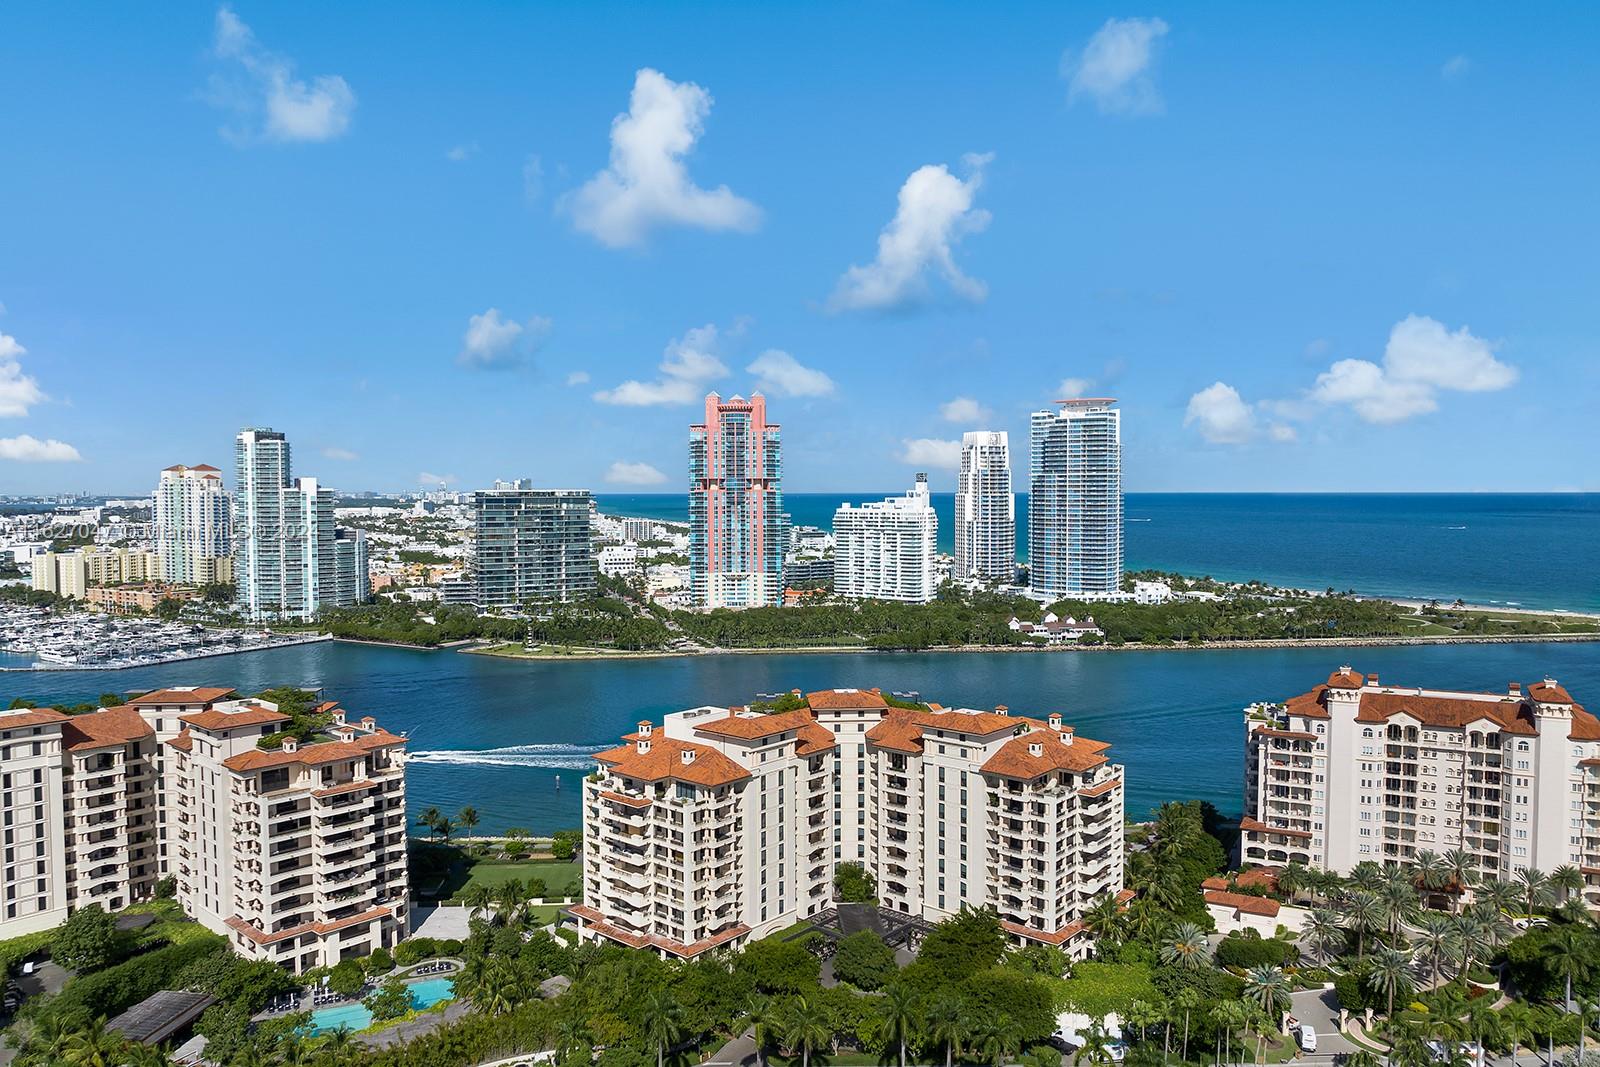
512 737
1540 551
424 995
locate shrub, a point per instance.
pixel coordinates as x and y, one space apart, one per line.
1353 992
117 988
414 951
853 885
1249 949
87 941
380 962
863 960
347 978
390 1001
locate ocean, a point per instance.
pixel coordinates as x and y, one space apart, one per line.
1514 550
513 737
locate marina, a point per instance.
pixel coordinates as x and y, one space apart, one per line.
36 639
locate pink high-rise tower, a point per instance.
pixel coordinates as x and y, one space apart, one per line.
738 532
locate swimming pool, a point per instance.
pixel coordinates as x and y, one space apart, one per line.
424 995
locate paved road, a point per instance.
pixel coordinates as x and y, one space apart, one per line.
1319 1008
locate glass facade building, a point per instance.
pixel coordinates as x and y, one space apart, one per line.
1075 499
531 546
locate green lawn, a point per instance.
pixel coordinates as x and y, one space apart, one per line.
560 879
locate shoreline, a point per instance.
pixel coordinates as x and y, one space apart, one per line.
598 655
165 660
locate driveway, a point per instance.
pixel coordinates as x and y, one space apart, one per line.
1320 1008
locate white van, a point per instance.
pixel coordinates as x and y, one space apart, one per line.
1307 1036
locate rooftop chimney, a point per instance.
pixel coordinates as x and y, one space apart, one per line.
1055 721
1514 689
1035 749
688 755
643 745
1372 679
1001 709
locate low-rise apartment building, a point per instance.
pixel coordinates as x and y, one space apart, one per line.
1358 770
726 824
296 852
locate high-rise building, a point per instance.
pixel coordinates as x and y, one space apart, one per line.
193 525
986 509
738 531
72 574
885 549
725 825
288 562
1356 771
531 545
295 852
1075 499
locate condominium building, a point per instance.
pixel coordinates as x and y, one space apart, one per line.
289 561
884 550
72 574
531 545
1075 499
1356 770
726 824
737 527
986 509
79 803
193 525
294 852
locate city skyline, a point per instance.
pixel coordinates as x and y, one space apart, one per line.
1273 314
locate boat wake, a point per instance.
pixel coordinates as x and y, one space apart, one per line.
577 757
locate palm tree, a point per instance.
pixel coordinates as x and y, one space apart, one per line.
249 1056
1366 876
805 1028
136 1055
467 818
1585 1012
49 1038
429 820
1363 1058
95 1046
479 896
1364 913
1399 899
1142 1015
1187 1000
1188 950
571 1034
507 899
1096 1049
1568 880
1436 941
1534 887
663 1021
1567 958
1103 919
1323 932
292 1050
1429 870
996 1039
948 1024
762 1018
899 1015
1267 988
1390 974
339 1045
1227 1017
1501 896
1462 871
500 989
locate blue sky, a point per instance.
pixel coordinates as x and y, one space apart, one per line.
1340 250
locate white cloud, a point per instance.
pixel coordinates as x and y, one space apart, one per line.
18 391
931 453
647 184
493 342
1281 432
462 152
1115 69
689 366
1072 388
342 454
1455 67
578 377
778 372
269 103
621 473
1220 415
934 213
26 449
532 178
1421 358
433 481
963 409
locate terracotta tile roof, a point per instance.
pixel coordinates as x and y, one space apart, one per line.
898 732
625 800
260 759
845 700
1251 877
13 720
664 762
1045 937
184 742
186 695
1345 678
597 922
261 937
815 738
1016 758
1310 705
1264 906
101 729
1449 712
1548 692
355 786
1100 789
977 723
250 715
748 726
1257 826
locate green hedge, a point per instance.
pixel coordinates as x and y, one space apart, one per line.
117 988
16 949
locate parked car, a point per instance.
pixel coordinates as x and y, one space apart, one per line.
1307 1037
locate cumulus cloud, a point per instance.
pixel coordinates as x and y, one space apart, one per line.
27 449
344 455
934 212
493 342
1072 388
622 473
963 409
1421 359
433 481
778 372
1116 68
18 391
1455 67
931 453
578 377
267 101
1220 415
647 183
690 365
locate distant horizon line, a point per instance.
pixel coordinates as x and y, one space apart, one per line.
622 491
